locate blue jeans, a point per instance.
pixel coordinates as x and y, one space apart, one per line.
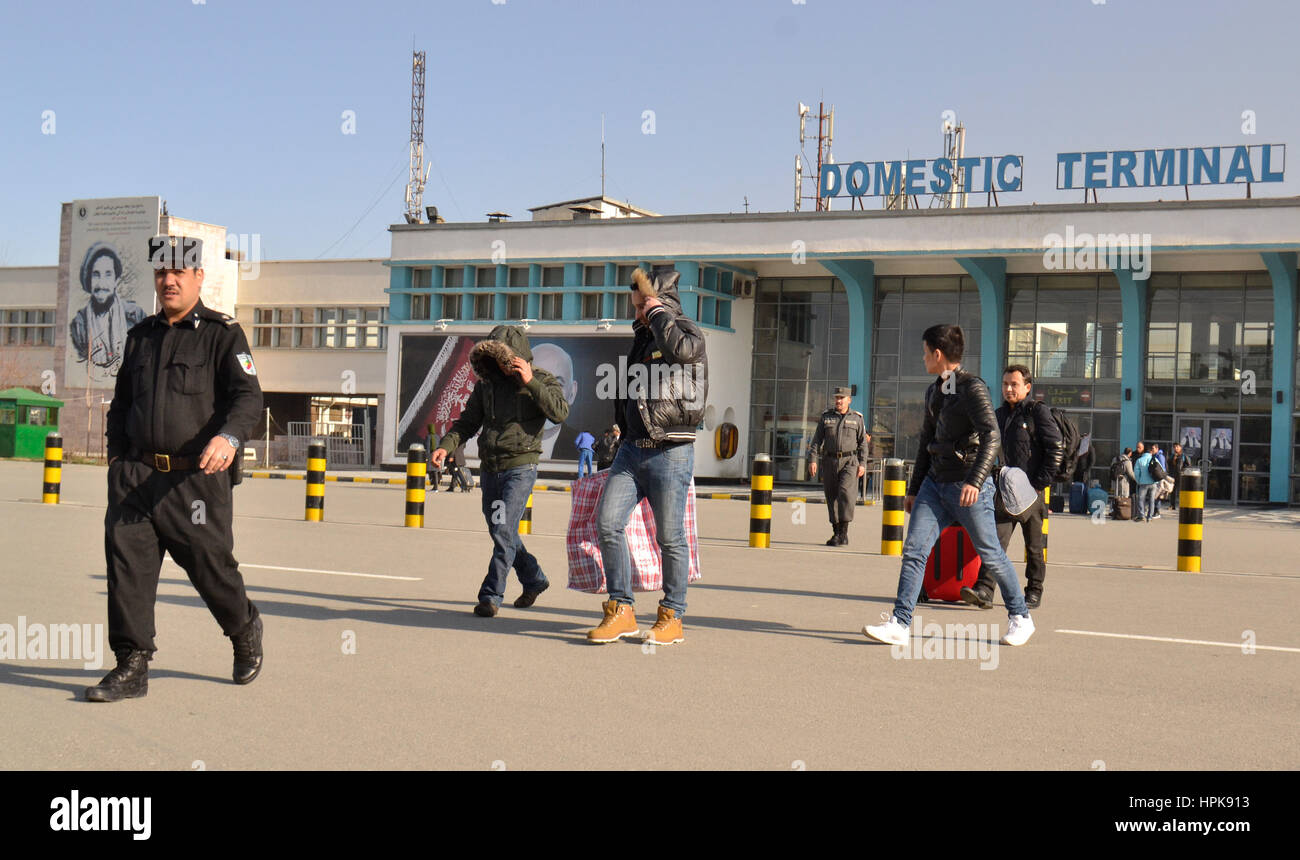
585 462
505 494
938 506
663 475
1146 501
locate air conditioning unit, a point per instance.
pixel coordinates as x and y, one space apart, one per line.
743 288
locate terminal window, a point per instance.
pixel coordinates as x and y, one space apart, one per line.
323 328
27 327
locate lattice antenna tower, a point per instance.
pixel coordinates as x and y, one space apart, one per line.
825 134
419 172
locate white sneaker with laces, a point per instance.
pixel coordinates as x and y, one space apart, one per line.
892 632
1019 630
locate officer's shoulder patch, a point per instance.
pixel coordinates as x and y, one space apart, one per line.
246 362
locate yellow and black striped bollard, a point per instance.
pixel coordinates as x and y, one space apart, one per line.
760 502
526 521
1047 516
416 474
315 481
53 477
1191 506
891 516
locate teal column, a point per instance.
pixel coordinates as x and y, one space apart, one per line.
399 304
687 286
499 300
611 290
571 304
859 279
1282 269
1135 304
990 276
533 304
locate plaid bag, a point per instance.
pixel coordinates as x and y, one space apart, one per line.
586 568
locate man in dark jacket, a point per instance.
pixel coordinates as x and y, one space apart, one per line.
1031 441
951 483
660 403
511 403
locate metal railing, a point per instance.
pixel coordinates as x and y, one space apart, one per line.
347 446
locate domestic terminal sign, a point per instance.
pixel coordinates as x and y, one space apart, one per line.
1155 168
921 176
1120 168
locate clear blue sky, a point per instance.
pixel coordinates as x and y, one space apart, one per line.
231 111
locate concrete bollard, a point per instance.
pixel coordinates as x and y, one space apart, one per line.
892 494
760 502
315 481
416 472
53 476
526 521
1191 508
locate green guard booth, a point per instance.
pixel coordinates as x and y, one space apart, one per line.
26 418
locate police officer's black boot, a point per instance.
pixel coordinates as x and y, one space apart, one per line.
248 651
844 534
129 680
835 538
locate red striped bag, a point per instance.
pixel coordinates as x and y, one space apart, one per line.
586 568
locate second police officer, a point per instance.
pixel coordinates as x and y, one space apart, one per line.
839 452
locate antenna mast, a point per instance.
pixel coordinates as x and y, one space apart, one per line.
419 173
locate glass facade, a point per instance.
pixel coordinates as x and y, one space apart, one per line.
905 308
801 344
1208 365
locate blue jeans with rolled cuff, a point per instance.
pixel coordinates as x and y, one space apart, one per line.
505 495
936 507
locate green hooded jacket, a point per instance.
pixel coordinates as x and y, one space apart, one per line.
509 414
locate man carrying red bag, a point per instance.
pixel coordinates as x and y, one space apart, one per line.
661 402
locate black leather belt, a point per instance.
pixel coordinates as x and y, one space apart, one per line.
647 443
840 456
166 462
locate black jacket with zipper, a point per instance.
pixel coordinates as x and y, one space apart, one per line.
1030 440
959 436
668 371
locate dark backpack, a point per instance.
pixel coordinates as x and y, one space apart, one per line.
1070 439
1155 469
1116 469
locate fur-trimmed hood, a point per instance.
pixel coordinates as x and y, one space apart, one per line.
489 358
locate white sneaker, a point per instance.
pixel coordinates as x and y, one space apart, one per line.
1019 630
892 632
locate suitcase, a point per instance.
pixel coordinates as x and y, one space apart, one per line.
1120 509
1057 503
1095 495
953 565
1078 498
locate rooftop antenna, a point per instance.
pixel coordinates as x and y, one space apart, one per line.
419 174
602 155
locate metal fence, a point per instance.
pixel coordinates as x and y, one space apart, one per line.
347 446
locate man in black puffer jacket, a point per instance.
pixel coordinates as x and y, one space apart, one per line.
1031 441
952 483
661 402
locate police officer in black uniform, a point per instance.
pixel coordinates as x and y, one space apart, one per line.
187 397
839 451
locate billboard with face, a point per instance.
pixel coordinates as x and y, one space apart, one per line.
435 380
110 284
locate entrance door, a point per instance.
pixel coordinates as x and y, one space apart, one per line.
1211 445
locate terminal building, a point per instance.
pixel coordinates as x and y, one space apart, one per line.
1164 321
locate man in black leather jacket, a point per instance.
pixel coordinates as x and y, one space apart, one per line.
660 403
952 483
1030 441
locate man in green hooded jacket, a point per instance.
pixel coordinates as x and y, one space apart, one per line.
508 408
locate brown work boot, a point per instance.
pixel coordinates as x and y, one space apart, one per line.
667 630
619 622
